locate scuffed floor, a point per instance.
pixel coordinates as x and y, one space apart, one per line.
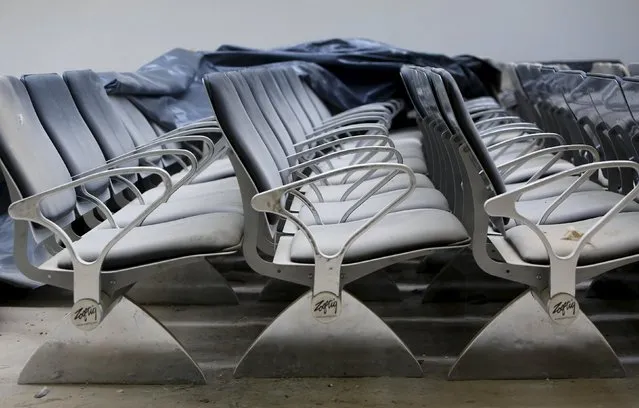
217 337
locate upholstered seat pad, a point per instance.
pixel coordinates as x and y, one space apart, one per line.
528 169
332 212
578 206
617 239
395 233
218 201
202 234
334 192
554 189
219 169
194 190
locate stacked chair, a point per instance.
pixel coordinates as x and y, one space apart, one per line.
106 202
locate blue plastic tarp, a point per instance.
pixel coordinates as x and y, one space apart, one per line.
344 72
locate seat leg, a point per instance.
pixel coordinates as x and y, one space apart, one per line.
194 283
521 342
128 347
461 280
356 344
376 287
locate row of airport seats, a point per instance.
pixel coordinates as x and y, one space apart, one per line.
309 198
512 196
104 199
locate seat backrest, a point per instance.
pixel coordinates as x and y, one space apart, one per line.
561 113
630 89
568 84
288 78
448 115
456 115
524 104
281 120
135 123
576 91
29 155
444 165
615 123
285 102
319 104
65 127
101 117
139 128
609 101
245 129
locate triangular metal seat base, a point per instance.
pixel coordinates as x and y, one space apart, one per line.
521 342
128 347
356 344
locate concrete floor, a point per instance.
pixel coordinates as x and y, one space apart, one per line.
217 337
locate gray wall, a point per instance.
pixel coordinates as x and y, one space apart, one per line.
54 35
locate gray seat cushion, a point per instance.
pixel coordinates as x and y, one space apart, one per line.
619 238
219 201
334 192
578 206
332 212
219 169
194 190
202 234
395 233
554 189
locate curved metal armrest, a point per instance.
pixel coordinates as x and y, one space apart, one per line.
331 124
272 202
86 273
556 151
511 119
174 137
205 128
369 108
562 268
527 137
495 111
496 131
476 108
144 153
338 142
205 123
356 150
192 135
323 136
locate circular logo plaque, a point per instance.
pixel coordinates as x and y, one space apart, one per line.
86 314
563 308
326 307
